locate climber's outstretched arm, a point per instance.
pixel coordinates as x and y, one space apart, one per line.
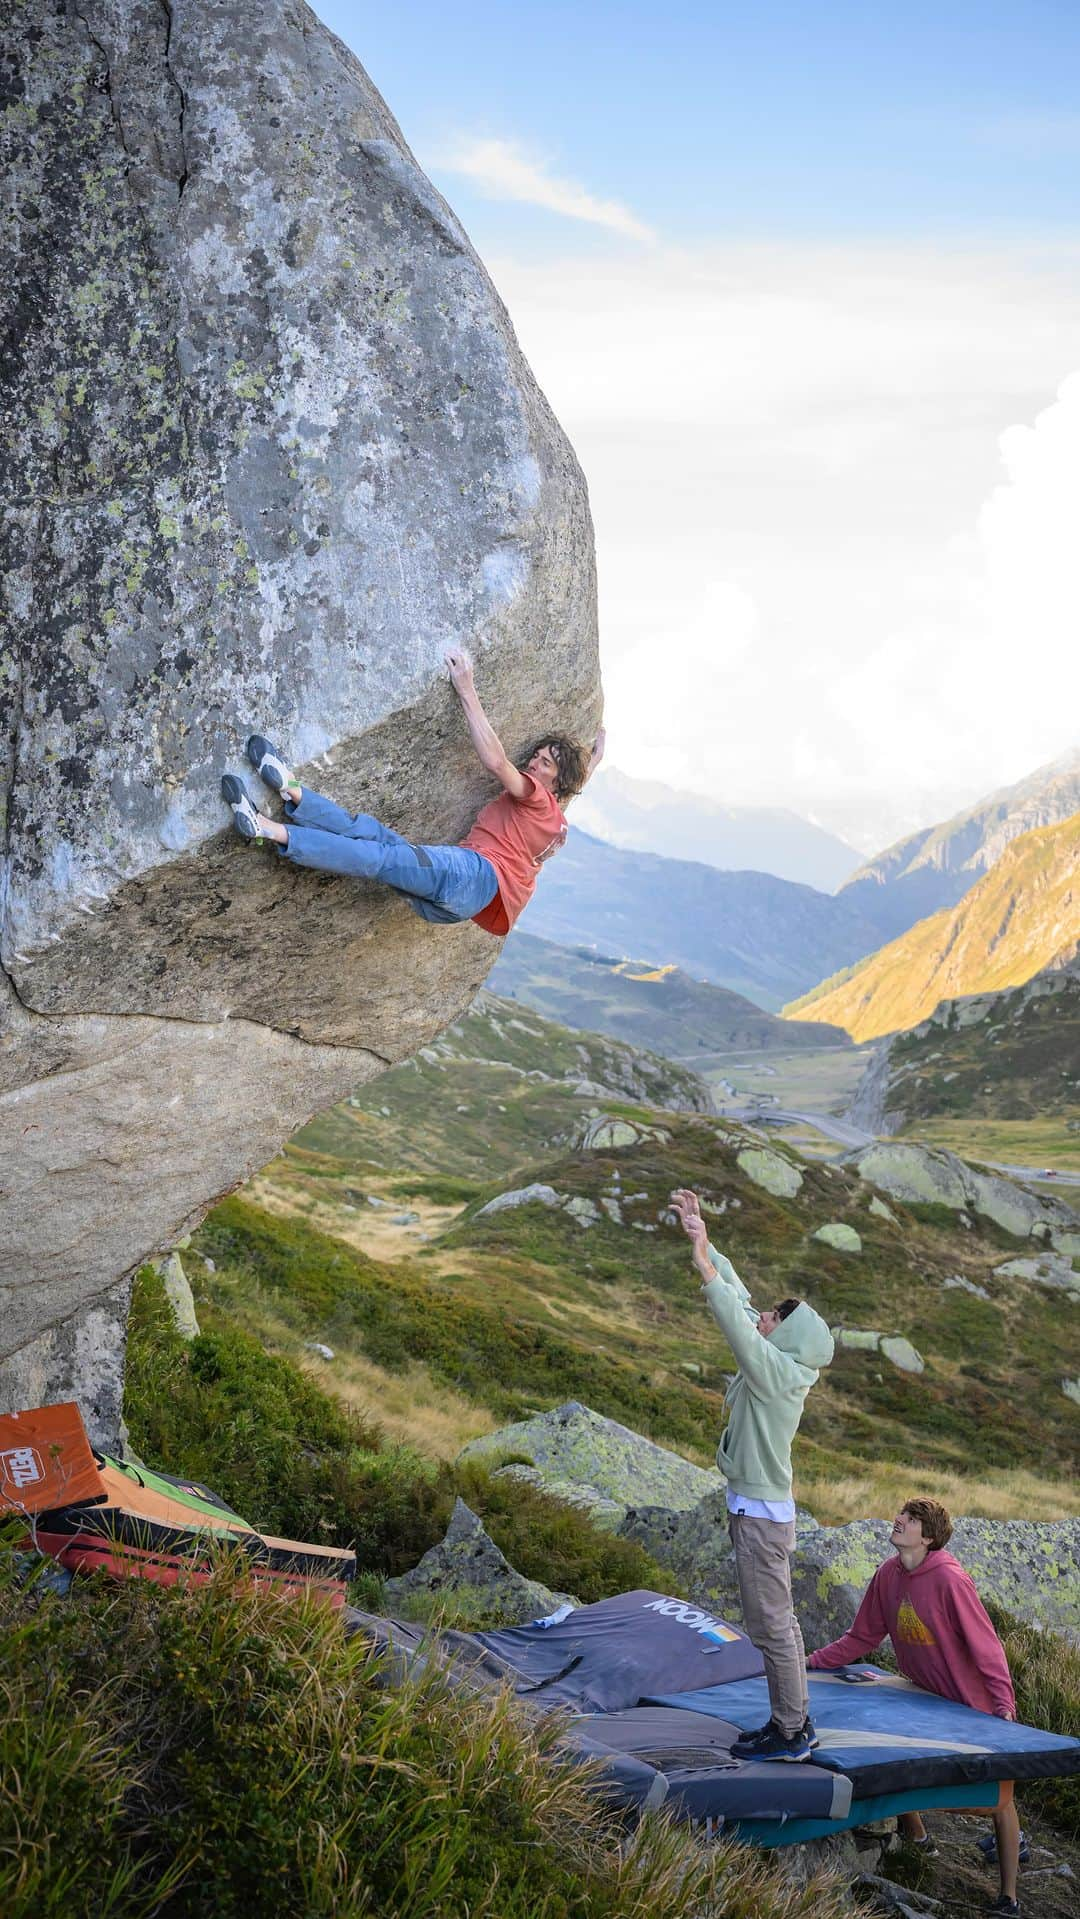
488 745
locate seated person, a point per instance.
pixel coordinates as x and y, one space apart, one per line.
490 877
944 1641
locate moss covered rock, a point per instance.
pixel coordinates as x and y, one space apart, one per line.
611 1467
467 1566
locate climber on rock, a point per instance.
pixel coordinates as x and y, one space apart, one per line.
489 877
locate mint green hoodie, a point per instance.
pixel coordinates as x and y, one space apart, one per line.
766 1397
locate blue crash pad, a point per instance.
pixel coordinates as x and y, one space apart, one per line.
890 1736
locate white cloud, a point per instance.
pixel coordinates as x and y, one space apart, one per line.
1029 531
789 452
502 170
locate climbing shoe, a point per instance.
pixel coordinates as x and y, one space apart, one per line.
245 818
269 764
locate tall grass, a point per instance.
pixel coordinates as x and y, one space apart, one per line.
1046 1676
216 1752
291 1460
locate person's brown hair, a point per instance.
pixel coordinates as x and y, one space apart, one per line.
787 1306
934 1520
570 757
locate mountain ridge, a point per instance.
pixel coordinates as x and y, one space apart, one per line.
935 867
1019 919
766 938
650 816
656 1006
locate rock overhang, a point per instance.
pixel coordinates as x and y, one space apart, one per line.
271 445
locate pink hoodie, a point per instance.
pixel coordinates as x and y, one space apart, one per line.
940 1630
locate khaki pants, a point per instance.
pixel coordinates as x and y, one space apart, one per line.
763 1549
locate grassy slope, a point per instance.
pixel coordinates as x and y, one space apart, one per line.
1020 1061
1020 918
524 1308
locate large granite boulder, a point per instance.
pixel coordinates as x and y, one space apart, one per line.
271 444
595 1463
933 1176
467 1566
694 1545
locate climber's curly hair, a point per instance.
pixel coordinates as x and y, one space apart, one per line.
570 757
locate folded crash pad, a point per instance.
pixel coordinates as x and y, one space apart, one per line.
93 1513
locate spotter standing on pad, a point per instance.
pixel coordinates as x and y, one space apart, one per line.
490 877
780 1354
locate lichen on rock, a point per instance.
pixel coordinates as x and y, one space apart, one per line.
606 1461
467 1564
271 443
770 1170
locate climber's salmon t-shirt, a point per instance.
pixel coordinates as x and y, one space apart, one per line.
517 836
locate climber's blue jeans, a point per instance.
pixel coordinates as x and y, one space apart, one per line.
443 883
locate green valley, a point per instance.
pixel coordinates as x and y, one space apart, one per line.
370 1235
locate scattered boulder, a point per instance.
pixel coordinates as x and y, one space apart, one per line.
933 1176
892 1346
467 1561
584 1210
1071 1389
694 1544
881 1211
604 1134
605 1513
956 1281
771 1170
534 1195
612 1209
1052 1271
854 1340
1029 1567
844 1238
607 1462
901 1353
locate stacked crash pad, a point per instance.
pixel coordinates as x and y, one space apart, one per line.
93 1513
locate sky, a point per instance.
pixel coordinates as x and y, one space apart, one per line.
803 286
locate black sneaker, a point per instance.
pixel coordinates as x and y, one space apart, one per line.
1008 1908
988 1847
743 1743
773 1745
269 764
809 1732
245 818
